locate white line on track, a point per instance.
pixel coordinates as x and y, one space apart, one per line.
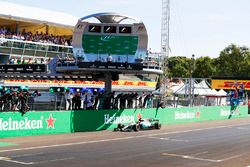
117 139
200 159
232 157
7 159
190 157
13 161
168 139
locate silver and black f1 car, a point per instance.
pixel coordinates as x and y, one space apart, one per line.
142 124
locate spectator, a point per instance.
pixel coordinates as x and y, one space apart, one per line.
68 97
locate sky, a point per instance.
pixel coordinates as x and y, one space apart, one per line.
199 27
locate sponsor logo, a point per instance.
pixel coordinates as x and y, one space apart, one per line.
106 38
50 122
26 124
224 113
187 115
229 84
118 119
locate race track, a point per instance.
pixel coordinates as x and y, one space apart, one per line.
215 143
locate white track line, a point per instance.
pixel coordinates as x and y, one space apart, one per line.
118 139
7 159
168 139
201 159
190 157
13 161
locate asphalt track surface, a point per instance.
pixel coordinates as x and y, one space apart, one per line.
214 143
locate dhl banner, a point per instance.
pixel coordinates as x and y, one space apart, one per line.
229 84
79 83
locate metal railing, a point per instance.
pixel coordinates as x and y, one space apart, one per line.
37 49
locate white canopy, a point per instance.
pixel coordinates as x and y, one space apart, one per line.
201 89
221 92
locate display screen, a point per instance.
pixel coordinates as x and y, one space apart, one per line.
113 44
93 28
125 30
109 29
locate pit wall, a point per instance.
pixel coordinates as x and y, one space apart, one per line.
13 124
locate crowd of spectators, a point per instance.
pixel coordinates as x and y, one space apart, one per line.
17 100
37 37
102 100
23 100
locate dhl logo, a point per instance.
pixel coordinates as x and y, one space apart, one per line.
229 84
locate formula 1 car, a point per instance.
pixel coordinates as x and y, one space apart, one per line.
127 128
142 124
149 123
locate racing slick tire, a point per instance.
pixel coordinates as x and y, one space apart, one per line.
157 125
136 127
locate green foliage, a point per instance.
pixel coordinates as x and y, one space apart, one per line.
178 67
203 67
234 61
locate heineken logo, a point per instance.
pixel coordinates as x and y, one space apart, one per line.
187 115
26 123
116 119
50 122
229 112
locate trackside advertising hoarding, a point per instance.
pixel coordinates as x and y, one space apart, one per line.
229 84
33 123
37 123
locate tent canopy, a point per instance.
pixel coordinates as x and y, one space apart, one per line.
20 17
201 89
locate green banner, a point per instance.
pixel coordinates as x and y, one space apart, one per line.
36 123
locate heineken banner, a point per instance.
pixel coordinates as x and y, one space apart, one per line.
36 123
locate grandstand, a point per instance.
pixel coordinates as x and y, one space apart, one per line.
41 35
44 35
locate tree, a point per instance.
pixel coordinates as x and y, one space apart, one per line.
203 67
233 61
178 67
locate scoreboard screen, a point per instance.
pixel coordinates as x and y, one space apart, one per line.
125 30
110 44
109 29
93 28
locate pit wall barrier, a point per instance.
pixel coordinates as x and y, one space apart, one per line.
14 124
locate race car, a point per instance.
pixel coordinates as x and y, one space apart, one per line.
149 123
127 128
142 124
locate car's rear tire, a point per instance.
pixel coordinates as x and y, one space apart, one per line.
157 125
136 127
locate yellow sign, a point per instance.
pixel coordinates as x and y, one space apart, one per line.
81 83
230 84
